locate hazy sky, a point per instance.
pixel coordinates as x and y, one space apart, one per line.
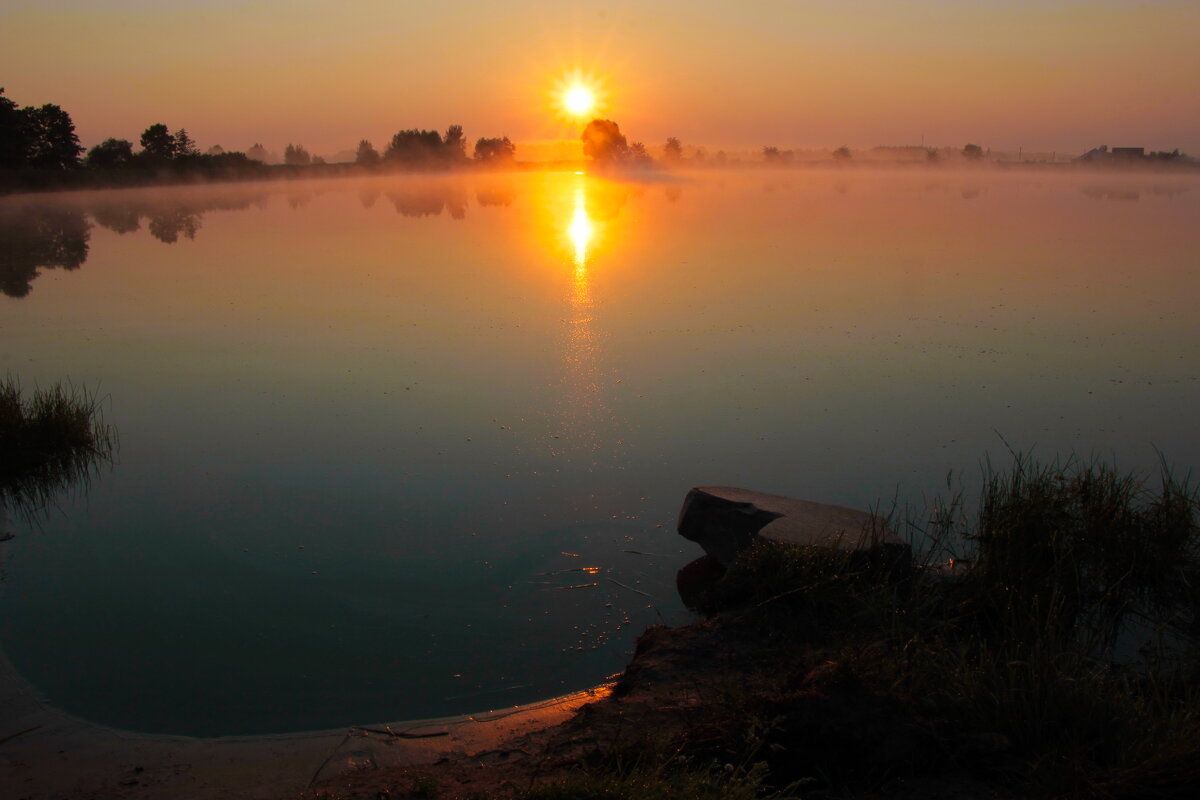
1050 75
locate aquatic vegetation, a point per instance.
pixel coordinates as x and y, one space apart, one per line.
50 442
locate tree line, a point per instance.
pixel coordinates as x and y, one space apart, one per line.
415 147
39 147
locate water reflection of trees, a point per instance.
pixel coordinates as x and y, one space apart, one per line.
55 234
495 196
1128 193
429 201
166 219
38 237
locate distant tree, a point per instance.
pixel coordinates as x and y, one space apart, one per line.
158 143
672 151
454 146
722 158
184 144
700 156
318 160
258 153
773 155
111 154
366 155
638 156
215 150
14 134
842 154
972 152
414 147
932 155
495 151
603 141
52 140
296 156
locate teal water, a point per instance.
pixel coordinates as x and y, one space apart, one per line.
399 448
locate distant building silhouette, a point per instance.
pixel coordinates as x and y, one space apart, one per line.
1103 153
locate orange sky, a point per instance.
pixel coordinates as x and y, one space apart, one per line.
1059 76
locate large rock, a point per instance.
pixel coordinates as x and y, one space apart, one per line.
724 521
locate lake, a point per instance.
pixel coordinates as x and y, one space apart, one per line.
404 447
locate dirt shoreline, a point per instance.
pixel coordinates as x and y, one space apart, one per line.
46 753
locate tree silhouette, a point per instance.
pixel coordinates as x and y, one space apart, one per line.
454 146
638 156
672 151
842 154
414 147
258 153
111 154
773 155
366 155
14 134
603 141
972 152
158 143
296 156
184 144
52 140
495 151
215 150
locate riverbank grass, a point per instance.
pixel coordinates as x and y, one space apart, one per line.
50 440
1059 631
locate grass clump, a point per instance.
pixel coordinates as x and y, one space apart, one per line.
49 442
1058 656
658 770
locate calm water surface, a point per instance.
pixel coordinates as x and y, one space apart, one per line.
399 448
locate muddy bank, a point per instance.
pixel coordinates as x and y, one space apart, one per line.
46 754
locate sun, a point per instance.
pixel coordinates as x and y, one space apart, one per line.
577 96
579 100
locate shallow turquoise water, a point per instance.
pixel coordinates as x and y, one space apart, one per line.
400 448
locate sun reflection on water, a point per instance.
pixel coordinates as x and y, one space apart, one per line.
584 403
581 231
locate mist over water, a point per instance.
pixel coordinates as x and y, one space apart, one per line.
404 447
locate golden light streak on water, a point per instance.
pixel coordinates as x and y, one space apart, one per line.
581 357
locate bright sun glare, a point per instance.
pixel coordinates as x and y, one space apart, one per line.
579 100
577 96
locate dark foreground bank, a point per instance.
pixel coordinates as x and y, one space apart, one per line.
1047 649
